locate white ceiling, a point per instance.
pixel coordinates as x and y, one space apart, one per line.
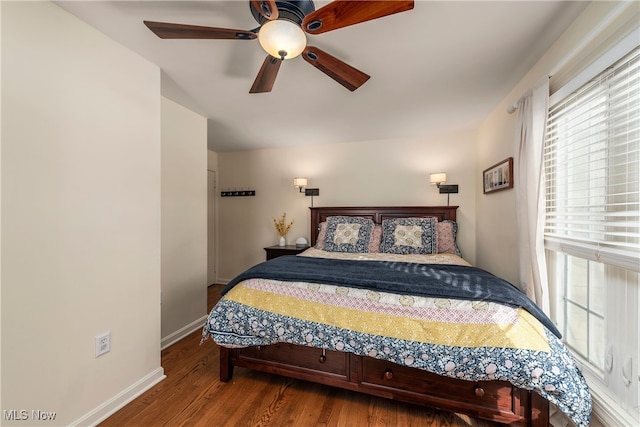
441 67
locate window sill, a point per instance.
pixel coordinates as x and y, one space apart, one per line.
606 409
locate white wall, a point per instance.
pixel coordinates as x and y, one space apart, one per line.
184 221
80 216
496 217
496 249
369 173
212 160
1 405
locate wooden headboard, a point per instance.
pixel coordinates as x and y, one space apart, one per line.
380 213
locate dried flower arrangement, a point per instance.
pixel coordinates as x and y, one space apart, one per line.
281 225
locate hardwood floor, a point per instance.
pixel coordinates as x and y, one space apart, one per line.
192 395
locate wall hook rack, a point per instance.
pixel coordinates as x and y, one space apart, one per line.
238 193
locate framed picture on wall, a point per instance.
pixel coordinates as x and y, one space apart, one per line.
499 176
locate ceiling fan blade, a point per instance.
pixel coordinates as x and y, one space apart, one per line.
266 8
343 73
165 30
267 75
342 13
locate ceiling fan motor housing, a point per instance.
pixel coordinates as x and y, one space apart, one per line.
291 10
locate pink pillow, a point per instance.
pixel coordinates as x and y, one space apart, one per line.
322 231
376 239
446 237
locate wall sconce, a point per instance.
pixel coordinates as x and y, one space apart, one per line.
301 184
439 180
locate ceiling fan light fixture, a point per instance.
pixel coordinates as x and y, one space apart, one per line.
282 39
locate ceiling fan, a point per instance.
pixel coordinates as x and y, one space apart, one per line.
283 24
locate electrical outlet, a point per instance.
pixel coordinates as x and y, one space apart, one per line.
103 343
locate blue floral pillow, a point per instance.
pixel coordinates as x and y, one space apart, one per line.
348 234
409 236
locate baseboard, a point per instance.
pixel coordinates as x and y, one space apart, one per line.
182 332
121 399
607 411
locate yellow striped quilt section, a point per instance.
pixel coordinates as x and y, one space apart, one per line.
524 333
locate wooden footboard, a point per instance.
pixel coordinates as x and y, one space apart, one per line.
492 400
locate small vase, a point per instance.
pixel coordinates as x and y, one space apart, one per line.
283 241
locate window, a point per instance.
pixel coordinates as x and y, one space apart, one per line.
592 226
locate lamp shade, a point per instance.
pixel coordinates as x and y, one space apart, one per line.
299 182
438 178
282 39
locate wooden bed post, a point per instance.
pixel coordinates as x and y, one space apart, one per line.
539 412
226 367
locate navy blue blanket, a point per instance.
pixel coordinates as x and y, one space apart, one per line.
429 280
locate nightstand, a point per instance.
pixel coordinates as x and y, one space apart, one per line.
276 251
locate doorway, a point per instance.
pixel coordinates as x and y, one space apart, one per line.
211 229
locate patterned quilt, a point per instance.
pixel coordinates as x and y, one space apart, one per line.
450 337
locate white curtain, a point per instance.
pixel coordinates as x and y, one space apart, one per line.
530 188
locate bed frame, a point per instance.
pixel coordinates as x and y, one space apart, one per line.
492 400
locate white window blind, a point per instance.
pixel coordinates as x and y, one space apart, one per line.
592 168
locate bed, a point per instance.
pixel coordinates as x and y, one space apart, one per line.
383 303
